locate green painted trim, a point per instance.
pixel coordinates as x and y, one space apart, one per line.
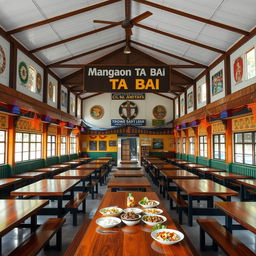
5 171
218 164
95 155
243 169
202 160
191 158
52 161
28 166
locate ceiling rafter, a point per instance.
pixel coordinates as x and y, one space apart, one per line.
58 63
194 17
73 38
167 97
180 38
96 94
186 66
62 16
169 54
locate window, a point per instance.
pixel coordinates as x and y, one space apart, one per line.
28 146
250 62
51 145
63 145
178 145
2 147
203 146
184 145
219 146
245 148
191 145
72 144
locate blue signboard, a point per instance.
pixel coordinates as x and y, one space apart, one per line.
123 122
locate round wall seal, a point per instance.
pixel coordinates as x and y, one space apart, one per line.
128 110
159 112
2 60
97 112
23 72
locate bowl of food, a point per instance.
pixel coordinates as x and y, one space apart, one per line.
130 218
111 211
152 220
167 236
146 203
154 211
135 210
108 222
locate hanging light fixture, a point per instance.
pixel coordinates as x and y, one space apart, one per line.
127 49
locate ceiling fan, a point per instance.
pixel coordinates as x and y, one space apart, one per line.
127 23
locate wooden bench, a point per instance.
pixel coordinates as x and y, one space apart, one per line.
41 238
222 238
90 186
74 204
181 204
103 176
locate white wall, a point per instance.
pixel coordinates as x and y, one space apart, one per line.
111 109
5 65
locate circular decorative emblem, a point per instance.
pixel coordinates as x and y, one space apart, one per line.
23 72
38 82
97 112
128 110
50 90
159 112
2 60
238 69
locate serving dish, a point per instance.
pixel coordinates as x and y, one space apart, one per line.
167 236
111 211
108 222
152 220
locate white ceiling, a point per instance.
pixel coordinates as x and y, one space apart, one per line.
236 13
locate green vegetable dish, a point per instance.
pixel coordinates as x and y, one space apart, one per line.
158 226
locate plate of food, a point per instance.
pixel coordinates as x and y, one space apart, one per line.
135 210
167 236
108 222
152 220
111 211
130 218
146 203
153 211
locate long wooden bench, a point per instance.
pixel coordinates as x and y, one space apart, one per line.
41 238
181 204
74 204
222 238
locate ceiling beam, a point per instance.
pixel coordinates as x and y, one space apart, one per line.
62 16
168 54
96 94
194 17
73 38
186 66
58 63
188 79
180 38
170 98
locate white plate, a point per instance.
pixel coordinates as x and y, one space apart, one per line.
135 210
159 211
154 223
149 206
108 222
131 222
102 211
154 233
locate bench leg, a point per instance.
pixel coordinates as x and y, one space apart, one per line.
59 239
202 239
97 189
84 206
180 214
74 213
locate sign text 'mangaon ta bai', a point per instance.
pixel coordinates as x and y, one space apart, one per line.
142 80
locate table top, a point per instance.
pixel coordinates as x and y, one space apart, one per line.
15 211
47 169
129 166
129 162
99 161
60 166
74 174
129 173
242 212
47 187
29 175
5 182
174 159
204 187
71 162
83 158
229 175
119 182
89 166
166 166
189 165
178 174
155 162
104 158
247 182
133 240
209 169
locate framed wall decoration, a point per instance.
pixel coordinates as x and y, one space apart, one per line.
217 82
52 91
72 104
92 145
158 144
159 112
102 145
97 112
182 104
4 61
190 100
23 72
238 70
112 143
64 99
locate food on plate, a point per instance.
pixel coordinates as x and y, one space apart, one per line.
153 211
111 211
158 226
130 216
167 236
145 202
135 210
152 218
108 221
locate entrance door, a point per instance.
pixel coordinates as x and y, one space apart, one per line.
125 150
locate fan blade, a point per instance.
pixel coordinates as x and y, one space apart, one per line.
141 17
108 22
128 32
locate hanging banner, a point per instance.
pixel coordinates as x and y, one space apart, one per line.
126 78
128 96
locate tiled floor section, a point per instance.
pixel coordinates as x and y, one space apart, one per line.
13 238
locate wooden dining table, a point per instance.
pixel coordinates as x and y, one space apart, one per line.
49 171
226 177
241 212
7 185
196 189
166 166
128 167
117 183
129 173
246 183
61 166
129 240
30 175
205 172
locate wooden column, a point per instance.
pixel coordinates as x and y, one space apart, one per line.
58 140
11 141
44 135
229 149
209 142
196 142
68 141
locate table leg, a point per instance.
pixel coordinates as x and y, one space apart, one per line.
210 202
190 207
228 221
33 223
242 192
59 207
